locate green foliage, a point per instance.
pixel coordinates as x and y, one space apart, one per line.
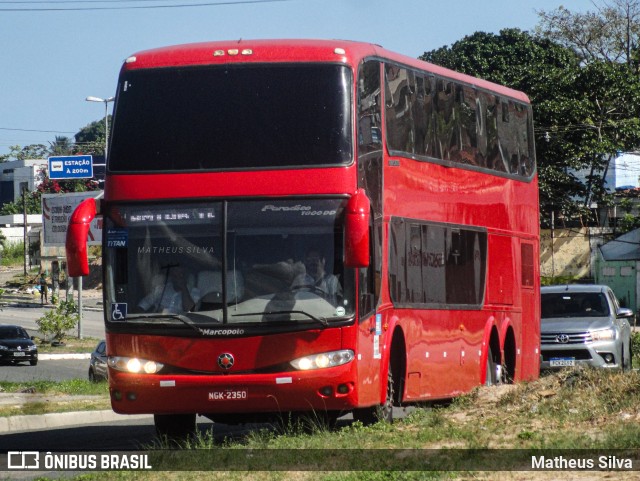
33 199
635 348
611 33
13 254
16 208
558 280
90 139
58 321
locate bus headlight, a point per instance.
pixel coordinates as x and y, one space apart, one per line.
134 365
322 360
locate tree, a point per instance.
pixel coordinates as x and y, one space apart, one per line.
57 322
584 113
90 139
61 146
610 34
33 151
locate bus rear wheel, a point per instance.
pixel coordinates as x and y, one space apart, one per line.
175 426
490 378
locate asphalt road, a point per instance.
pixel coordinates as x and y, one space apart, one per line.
92 321
46 370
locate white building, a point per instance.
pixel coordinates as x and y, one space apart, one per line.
623 172
19 174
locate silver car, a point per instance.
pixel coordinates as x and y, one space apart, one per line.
584 325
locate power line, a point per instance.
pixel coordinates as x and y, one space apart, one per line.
33 130
132 7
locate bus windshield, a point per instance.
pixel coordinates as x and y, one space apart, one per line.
232 117
244 262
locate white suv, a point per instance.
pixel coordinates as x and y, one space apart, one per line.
584 325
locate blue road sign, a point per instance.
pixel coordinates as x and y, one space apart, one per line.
71 167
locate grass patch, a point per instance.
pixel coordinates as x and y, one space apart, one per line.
570 409
50 397
72 387
71 345
53 405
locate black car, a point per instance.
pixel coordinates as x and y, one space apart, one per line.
98 363
16 345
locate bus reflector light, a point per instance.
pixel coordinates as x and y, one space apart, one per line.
323 360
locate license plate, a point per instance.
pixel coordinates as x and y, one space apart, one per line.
19 354
562 362
230 395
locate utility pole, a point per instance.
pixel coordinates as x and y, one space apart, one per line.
24 222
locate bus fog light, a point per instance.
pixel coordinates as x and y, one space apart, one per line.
131 396
323 360
326 391
343 388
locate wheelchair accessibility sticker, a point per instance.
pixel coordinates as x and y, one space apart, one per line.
118 311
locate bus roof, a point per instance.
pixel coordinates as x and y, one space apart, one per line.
294 50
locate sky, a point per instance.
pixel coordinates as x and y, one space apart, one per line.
55 53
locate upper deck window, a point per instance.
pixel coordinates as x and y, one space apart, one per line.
232 117
436 119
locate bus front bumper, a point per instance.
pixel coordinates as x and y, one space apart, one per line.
333 389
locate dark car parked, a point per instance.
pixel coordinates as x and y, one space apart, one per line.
16 345
98 364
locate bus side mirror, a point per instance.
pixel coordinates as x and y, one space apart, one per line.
77 234
356 239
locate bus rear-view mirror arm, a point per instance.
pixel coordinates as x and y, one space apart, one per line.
77 235
356 243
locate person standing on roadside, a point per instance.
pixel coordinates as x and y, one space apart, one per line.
43 288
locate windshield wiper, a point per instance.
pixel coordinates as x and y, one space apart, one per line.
319 320
179 317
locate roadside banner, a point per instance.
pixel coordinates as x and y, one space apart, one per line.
56 210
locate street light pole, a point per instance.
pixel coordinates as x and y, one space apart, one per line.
106 122
106 146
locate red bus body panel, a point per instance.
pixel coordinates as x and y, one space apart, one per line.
446 350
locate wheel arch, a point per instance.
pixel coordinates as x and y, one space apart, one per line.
396 360
490 343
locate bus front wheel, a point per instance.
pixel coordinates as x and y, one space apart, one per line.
175 426
382 412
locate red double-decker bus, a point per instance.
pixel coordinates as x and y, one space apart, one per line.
327 226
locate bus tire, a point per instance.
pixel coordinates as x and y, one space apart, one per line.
490 376
175 426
